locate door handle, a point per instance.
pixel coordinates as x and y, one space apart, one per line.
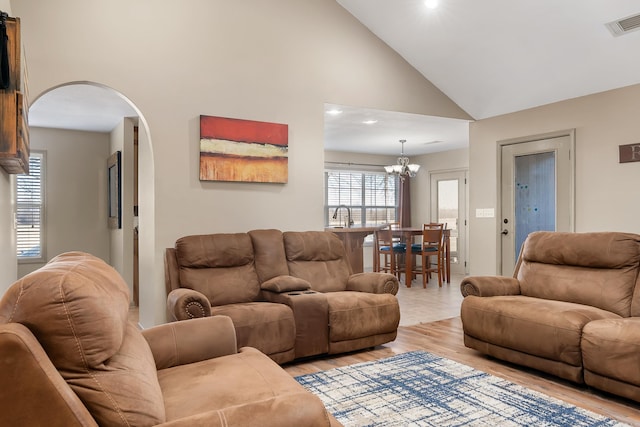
505 232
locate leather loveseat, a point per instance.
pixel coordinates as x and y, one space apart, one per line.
572 309
70 357
289 294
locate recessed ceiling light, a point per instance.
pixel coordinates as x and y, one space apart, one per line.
431 4
370 122
334 112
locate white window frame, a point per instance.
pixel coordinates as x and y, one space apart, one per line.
358 206
24 248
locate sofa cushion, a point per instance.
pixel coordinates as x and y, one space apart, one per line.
544 328
611 348
247 389
318 257
220 266
268 249
596 269
354 315
77 307
269 327
595 250
287 283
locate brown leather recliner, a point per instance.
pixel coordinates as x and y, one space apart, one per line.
572 309
335 311
362 308
70 357
215 274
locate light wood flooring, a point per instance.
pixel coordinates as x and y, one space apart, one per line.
430 321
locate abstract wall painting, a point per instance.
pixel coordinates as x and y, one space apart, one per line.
243 150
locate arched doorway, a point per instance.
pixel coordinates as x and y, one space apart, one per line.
95 113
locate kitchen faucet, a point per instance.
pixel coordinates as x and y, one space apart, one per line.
349 222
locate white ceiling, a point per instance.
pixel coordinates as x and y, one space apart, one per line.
491 57
423 134
80 107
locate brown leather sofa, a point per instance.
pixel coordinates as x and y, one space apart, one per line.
572 309
70 357
289 294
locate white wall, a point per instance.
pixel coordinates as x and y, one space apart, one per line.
121 240
116 235
421 186
357 161
276 61
75 192
8 261
607 192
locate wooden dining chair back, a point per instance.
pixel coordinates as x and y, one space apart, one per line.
376 245
387 252
431 246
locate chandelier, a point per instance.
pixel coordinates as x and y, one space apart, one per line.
403 168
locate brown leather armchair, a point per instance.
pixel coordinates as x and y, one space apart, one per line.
70 357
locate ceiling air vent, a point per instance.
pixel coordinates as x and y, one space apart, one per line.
624 25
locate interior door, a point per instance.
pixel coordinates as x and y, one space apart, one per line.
448 205
536 192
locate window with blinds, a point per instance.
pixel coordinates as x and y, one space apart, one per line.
372 197
30 210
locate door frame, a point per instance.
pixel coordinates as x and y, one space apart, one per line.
571 133
463 250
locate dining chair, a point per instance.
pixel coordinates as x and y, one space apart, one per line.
431 245
376 245
387 252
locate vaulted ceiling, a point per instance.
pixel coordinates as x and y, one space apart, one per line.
493 57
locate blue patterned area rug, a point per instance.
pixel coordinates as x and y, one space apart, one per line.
420 389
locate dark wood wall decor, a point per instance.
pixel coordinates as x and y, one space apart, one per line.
14 131
114 178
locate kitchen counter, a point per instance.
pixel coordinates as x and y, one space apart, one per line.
353 238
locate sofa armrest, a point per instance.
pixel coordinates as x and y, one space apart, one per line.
190 341
171 270
184 304
374 283
488 286
280 284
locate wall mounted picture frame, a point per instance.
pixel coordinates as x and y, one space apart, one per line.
629 153
114 177
243 150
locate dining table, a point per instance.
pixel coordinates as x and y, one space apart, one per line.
353 238
407 235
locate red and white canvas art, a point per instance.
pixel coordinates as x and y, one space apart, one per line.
243 150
